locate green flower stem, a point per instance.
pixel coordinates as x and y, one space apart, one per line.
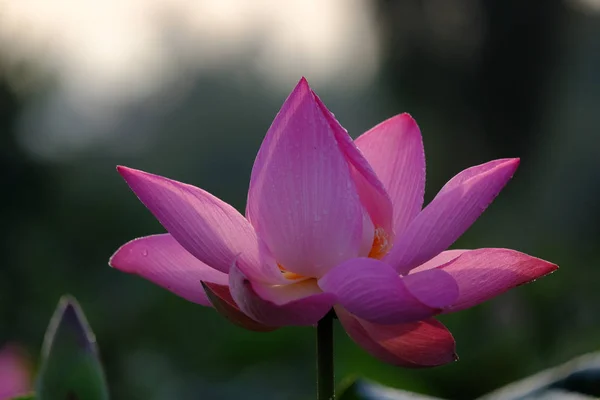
325 378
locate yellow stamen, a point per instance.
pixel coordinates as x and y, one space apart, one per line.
381 244
289 274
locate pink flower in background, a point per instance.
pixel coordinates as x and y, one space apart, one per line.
15 378
332 222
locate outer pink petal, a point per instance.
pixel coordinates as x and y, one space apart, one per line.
394 148
440 260
476 170
221 299
451 212
163 261
371 190
298 304
415 344
302 199
374 291
485 273
210 229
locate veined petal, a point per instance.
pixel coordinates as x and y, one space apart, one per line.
477 170
370 189
451 212
394 149
301 303
210 229
162 260
373 290
221 299
266 270
302 199
485 273
416 344
440 260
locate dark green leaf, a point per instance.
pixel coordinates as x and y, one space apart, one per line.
70 368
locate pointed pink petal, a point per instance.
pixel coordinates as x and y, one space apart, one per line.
394 148
451 212
370 189
162 260
302 200
301 303
415 344
438 261
221 300
476 170
485 273
374 291
210 229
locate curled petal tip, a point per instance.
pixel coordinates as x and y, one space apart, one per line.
407 116
513 162
455 357
125 171
402 117
510 164
550 267
547 269
115 260
111 260
303 85
402 123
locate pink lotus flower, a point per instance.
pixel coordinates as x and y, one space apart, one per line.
332 222
15 378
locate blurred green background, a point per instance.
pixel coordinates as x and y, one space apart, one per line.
188 89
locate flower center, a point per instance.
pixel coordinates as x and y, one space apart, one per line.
380 247
289 274
381 244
